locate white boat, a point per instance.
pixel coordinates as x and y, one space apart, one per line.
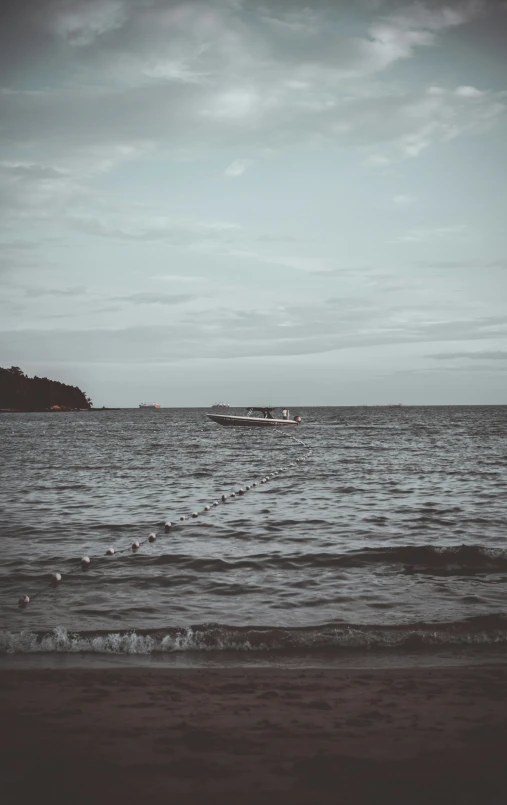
220 405
266 420
149 405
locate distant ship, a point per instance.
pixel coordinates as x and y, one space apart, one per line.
149 405
381 405
220 405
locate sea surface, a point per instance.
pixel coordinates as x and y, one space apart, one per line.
379 529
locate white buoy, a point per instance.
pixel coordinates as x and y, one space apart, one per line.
254 483
24 601
233 494
215 503
85 563
241 491
56 579
224 498
152 537
247 488
195 514
207 508
183 518
267 478
110 552
167 527
135 546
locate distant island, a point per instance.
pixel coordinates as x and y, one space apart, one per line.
21 393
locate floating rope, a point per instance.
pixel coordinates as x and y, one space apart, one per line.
85 562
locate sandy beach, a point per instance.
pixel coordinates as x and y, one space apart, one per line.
254 735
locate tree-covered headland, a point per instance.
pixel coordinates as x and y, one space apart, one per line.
21 393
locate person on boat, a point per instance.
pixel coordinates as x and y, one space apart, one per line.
285 413
266 413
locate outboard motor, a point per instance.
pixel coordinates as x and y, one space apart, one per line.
297 419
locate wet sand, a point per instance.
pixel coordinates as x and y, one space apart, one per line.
267 735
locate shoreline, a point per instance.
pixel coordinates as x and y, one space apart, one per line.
254 734
208 407
52 410
342 661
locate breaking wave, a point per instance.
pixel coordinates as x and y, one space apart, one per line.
481 631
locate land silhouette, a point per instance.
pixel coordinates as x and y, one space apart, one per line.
18 392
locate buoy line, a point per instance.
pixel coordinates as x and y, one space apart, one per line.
85 562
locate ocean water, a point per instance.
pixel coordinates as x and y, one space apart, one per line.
382 529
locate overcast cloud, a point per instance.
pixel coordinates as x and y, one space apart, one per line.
272 199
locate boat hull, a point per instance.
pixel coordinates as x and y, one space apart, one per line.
249 421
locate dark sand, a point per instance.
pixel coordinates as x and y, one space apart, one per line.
434 735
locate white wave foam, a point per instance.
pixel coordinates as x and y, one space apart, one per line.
60 640
219 638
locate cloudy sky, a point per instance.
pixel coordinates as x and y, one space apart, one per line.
303 203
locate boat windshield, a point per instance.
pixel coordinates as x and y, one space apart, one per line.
265 412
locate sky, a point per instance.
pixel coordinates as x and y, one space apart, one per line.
278 202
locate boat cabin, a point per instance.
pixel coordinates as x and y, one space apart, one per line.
267 412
